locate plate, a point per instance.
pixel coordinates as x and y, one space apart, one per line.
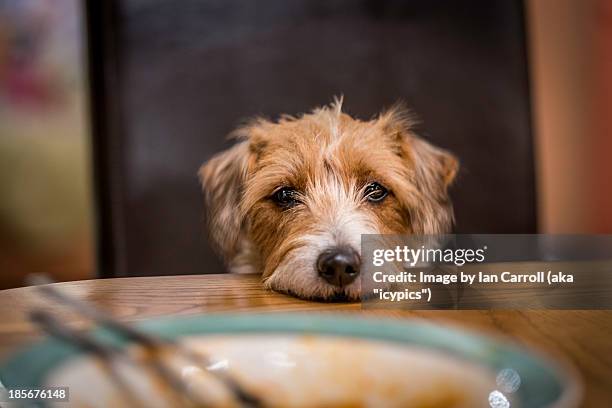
360 351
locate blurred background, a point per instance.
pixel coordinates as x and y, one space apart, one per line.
45 177
49 219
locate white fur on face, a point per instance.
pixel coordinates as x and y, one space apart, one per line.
338 221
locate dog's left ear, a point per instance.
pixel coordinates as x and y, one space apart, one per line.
222 179
435 168
432 170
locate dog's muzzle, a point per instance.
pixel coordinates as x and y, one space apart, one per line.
339 266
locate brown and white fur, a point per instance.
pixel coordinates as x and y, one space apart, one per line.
328 158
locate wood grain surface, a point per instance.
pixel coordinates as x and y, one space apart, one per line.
582 339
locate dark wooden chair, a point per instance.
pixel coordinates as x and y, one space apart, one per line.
169 79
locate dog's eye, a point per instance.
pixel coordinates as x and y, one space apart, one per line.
285 197
375 192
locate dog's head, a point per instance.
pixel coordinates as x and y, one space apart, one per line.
292 198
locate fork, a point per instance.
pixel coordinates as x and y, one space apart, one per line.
109 353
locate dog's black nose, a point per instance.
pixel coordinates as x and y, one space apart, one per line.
339 266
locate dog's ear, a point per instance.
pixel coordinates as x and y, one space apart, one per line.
435 168
432 170
222 179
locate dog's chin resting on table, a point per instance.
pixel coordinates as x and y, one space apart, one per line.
291 198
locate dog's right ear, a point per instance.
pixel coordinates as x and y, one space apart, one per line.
222 179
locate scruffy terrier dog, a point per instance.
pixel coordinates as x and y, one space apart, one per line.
292 198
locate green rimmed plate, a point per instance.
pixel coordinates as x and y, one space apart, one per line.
541 381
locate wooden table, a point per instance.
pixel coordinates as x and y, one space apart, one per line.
583 338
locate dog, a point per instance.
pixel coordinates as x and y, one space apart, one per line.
291 199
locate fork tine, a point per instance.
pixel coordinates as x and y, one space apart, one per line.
57 329
42 283
105 353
